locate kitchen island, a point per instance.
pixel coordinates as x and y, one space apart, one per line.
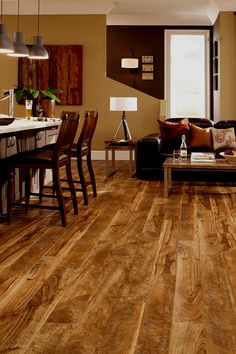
24 135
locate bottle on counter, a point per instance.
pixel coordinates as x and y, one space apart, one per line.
183 148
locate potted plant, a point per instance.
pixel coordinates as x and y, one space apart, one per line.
43 100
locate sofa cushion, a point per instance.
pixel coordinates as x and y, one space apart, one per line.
200 137
171 131
223 138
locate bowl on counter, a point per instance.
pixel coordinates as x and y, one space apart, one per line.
6 120
229 158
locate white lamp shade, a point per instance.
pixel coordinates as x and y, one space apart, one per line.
129 63
123 103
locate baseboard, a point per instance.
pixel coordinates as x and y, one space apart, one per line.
100 155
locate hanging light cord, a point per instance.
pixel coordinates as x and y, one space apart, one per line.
38 14
1 13
18 16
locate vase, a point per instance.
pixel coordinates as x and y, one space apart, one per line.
48 107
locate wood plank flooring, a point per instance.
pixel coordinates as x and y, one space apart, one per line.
132 273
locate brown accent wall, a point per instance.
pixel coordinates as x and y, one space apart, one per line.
142 40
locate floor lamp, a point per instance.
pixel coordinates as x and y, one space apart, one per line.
123 104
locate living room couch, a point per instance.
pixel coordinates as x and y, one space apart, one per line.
153 149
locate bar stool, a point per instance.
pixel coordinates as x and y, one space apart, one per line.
83 149
48 158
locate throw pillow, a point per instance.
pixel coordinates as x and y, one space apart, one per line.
172 131
223 138
200 137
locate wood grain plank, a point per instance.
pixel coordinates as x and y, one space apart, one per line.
132 273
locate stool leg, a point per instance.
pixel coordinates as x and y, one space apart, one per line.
60 199
41 184
82 179
91 174
72 187
28 181
10 195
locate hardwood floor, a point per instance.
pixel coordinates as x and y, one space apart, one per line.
132 273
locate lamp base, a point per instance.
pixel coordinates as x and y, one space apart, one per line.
123 123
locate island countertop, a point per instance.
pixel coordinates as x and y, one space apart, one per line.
20 125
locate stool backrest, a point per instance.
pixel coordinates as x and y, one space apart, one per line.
68 129
88 129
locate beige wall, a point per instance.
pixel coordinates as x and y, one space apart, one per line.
227 39
89 31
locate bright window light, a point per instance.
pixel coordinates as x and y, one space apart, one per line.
187 74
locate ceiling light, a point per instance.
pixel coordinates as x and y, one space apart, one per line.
5 44
18 40
38 51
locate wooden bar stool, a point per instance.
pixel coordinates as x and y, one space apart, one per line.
83 149
48 158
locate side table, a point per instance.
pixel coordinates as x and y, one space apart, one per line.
116 145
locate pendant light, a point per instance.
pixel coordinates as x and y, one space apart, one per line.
5 44
37 51
18 40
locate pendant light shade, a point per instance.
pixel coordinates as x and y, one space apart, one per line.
37 51
20 49
6 45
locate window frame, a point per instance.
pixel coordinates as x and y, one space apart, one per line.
168 34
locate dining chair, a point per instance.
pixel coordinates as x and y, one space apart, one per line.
81 150
47 158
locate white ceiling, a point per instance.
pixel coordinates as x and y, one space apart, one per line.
198 12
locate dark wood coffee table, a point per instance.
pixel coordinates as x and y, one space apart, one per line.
170 164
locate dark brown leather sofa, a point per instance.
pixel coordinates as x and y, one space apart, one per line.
151 153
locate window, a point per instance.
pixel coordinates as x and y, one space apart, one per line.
187 73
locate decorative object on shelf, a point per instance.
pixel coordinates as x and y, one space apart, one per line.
6 45
64 69
38 51
130 63
123 104
20 49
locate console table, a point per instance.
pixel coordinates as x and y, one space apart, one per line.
116 145
170 164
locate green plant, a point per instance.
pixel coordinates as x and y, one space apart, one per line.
32 94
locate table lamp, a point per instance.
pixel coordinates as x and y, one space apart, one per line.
123 104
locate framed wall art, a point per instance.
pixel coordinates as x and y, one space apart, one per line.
147 76
63 70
